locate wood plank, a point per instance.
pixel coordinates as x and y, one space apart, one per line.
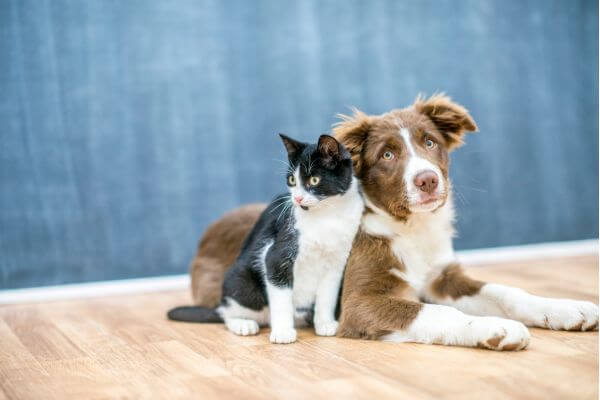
124 347
40 336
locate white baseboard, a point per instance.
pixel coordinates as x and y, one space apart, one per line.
180 282
94 289
493 255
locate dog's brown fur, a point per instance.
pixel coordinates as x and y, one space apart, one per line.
368 137
374 301
218 249
371 293
368 308
454 283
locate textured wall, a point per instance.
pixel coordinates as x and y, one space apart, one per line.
127 126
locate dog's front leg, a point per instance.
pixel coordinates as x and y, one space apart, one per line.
437 324
390 319
453 288
376 304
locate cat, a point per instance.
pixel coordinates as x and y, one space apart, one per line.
291 265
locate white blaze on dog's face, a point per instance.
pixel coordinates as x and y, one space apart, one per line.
423 178
401 157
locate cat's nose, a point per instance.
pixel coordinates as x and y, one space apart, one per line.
298 199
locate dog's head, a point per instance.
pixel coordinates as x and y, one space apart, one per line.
401 157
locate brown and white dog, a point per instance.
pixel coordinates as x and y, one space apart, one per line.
402 281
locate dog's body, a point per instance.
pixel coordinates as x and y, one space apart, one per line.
402 282
218 250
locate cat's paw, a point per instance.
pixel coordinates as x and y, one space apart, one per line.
283 336
328 328
569 315
499 333
242 327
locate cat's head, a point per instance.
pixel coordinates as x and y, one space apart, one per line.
317 171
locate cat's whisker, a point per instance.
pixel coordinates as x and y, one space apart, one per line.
281 161
282 199
283 203
287 165
285 172
285 209
310 165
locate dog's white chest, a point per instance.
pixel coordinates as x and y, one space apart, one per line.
423 244
417 255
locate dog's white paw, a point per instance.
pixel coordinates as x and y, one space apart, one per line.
565 314
283 336
498 333
328 328
242 327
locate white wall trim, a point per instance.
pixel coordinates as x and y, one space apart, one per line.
94 289
492 255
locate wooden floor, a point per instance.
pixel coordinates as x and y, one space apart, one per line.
123 347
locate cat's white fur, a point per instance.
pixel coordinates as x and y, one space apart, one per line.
326 232
243 320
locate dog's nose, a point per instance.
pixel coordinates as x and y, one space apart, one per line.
298 199
427 181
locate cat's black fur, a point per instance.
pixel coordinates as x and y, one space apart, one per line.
244 281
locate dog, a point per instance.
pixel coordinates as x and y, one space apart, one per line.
402 281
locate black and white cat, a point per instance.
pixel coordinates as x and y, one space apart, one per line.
291 265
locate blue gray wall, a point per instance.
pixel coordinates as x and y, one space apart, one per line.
127 126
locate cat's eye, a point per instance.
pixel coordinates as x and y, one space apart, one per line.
314 180
292 180
430 144
388 155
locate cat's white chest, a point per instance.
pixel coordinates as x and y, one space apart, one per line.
324 243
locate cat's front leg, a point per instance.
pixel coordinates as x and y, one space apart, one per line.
326 301
281 307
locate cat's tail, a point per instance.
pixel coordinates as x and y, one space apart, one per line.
194 314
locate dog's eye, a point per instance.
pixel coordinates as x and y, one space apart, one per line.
314 180
292 180
430 144
388 155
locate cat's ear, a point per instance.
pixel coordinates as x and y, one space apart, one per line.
292 146
329 147
331 150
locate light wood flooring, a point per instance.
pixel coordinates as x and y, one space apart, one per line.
123 347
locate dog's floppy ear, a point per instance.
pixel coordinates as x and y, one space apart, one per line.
352 131
451 119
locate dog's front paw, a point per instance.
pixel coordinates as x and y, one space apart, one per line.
499 333
569 315
328 328
283 335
